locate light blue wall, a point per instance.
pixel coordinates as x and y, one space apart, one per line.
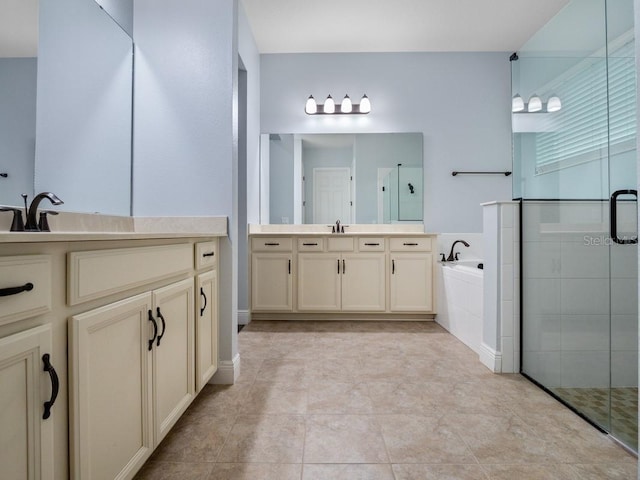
83 120
186 126
17 127
249 179
459 101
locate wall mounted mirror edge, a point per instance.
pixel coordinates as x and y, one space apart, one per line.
362 178
74 136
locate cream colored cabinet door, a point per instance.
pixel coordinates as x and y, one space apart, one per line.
271 284
26 439
363 282
411 282
206 327
319 282
173 355
111 392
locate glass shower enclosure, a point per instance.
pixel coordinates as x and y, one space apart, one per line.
574 149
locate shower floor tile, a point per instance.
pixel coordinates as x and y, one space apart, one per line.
595 404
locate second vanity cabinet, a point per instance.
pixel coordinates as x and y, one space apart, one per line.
271 273
411 274
341 281
303 276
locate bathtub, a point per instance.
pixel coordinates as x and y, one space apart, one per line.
462 296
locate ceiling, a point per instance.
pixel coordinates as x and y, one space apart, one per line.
305 26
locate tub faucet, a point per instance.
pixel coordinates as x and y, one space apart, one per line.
32 213
453 257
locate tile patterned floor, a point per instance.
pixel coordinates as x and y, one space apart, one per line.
377 401
621 418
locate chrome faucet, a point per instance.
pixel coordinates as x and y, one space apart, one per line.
453 257
32 211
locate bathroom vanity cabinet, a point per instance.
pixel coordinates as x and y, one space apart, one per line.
137 319
298 276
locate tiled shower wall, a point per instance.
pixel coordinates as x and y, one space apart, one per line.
501 332
579 327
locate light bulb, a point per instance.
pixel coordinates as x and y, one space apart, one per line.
554 104
329 105
345 106
535 104
310 107
365 104
517 104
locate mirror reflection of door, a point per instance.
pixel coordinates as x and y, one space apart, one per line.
331 195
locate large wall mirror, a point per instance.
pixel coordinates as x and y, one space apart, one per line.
66 82
356 178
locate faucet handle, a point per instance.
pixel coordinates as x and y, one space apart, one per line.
457 257
17 225
43 223
443 258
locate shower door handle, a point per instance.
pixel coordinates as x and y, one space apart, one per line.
613 217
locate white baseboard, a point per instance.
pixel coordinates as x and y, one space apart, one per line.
244 317
490 358
228 372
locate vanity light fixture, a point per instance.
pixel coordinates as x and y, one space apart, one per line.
535 104
346 107
329 105
311 107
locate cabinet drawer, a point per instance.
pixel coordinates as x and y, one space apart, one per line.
340 244
25 282
98 273
372 244
410 244
273 244
310 244
206 255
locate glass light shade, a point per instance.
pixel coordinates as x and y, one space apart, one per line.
535 104
346 106
310 107
329 105
517 104
554 104
365 105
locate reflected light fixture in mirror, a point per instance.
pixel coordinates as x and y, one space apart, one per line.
346 107
554 104
517 104
534 104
